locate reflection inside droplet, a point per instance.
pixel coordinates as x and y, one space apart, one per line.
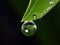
28 28
26 31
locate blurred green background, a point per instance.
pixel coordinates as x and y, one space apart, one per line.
48 32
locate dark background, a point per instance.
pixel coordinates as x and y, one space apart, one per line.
10 24
11 12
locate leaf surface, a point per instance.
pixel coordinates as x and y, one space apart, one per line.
36 9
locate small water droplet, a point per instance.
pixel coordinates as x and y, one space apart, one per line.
34 15
28 28
41 13
48 8
44 11
51 2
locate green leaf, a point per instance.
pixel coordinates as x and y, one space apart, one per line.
38 8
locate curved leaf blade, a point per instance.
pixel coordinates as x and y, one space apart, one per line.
38 8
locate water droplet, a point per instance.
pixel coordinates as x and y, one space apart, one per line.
28 28
44 11
41 13
48 8
34 15
51 2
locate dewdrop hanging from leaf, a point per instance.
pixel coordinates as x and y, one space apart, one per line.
28 28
